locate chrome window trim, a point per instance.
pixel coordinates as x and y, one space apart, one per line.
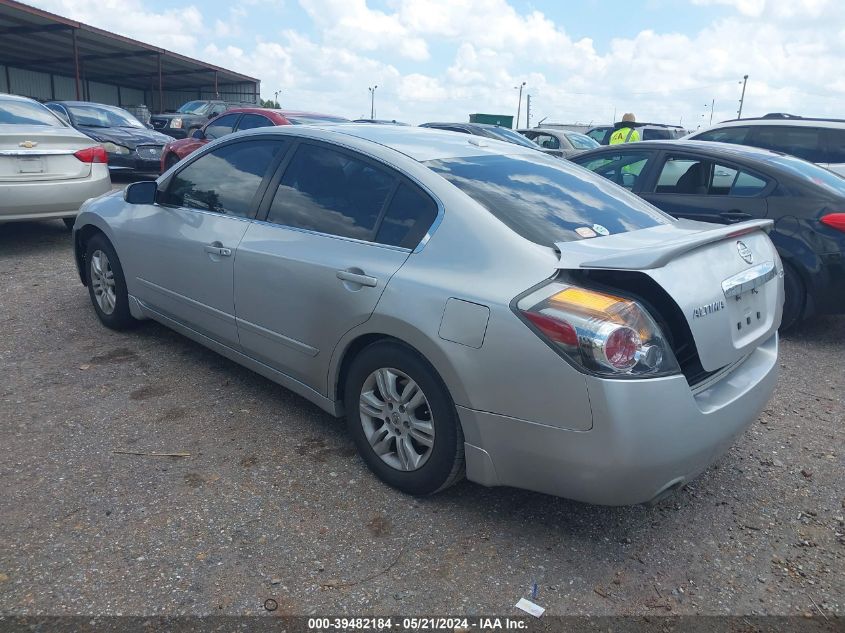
288 227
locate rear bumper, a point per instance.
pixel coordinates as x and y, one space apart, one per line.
648 436
51 199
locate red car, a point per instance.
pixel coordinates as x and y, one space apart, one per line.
235 120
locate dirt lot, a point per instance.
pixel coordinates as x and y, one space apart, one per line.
274 503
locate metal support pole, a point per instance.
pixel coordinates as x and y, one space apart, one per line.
742 98
160 89
712 107
76 65
528 111
519 106
216 91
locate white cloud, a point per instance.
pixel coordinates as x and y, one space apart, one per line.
791 50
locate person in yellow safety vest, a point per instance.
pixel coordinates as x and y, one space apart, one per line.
625 133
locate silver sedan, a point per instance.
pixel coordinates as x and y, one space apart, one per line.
47 169
471 307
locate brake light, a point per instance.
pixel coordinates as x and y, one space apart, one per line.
835 221
599 332
94 154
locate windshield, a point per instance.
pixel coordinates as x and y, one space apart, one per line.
314 119
510 136
101 116
810 173
581 141
194 107
14 112
547 200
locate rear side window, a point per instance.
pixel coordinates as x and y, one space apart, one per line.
408 217
736 135
224 180
835 146
652 134
545 199
330 192
803 142
251 121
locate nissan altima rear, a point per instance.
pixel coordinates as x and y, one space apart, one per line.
470 307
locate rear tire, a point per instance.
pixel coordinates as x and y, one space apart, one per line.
421 445
107 284
795 297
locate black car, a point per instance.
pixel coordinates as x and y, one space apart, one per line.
131 146
191 116
489 130
716 182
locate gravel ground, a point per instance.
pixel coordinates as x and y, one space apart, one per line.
274 503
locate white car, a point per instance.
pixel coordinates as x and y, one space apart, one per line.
47 169
820 141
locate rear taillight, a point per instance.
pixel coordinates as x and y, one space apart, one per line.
600 333
834 221
94 154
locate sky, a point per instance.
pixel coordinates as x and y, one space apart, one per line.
582 61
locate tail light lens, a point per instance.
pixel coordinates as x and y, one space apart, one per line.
600 333
94 154
835 221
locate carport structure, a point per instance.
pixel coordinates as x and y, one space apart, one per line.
46 56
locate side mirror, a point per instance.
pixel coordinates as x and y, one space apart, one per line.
143 192
198 134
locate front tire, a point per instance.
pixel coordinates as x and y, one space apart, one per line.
403 420
107 284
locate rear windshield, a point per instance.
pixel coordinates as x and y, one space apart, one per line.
16 112
810 173
512 137
546 199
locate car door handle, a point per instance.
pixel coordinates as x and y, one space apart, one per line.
735 216
357 278
218 249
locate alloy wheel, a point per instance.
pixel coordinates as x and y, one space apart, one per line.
102 282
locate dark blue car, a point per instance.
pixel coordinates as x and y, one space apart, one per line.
131 146
716 182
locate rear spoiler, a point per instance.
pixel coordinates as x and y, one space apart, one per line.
650 248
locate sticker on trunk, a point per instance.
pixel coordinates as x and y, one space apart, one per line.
598 228
585 231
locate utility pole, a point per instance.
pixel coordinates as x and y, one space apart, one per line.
527 111
742 98
519 106
712 106
372 90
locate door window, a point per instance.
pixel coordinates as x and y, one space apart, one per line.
623 168
408 217
682 175
735 135
728 181
251 121
546 141
221 127
330 192
224 180
803 142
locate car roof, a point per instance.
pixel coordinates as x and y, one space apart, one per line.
419 143
778 122
709 147
467 124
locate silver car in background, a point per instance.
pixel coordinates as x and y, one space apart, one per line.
47 169
470 306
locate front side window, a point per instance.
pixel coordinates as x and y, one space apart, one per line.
221 127
224 180
14 112
331 192
736 135
252 121
623 168
545 199
597 134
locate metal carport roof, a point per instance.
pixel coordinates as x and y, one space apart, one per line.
32 39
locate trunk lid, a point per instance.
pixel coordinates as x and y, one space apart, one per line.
726 280
34 152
